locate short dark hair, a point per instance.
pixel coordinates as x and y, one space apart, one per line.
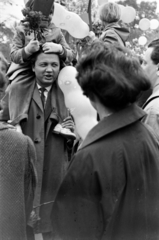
112 73
155 53
36 54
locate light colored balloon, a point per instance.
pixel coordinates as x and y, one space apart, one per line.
128 15
154 23
122 9
142 40
84 16
76 27
80 107
59 15
67 80
101 2
144 24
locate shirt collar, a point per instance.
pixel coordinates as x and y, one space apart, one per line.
47 88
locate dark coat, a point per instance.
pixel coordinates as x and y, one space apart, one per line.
111 190
51 149
113 33
17 182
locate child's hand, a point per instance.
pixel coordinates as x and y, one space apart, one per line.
68 123
33 46
50 47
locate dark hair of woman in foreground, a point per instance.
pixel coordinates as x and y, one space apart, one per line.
112 74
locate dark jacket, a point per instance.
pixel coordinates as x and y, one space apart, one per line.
111 190
17 182
51 148
113 33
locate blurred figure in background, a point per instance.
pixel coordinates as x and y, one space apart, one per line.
3 79
113 32
151 67
17 182
111 188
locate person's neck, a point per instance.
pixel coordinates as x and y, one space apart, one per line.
103 111
156 83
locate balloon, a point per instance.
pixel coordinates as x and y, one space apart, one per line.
101 2
142 40
144 24
76 26
128 14
79 105
122 9
67 80
85 17
59 16
154 24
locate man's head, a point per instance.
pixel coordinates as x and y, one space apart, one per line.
46 67
151 61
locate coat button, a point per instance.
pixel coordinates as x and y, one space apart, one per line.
38 116
37 140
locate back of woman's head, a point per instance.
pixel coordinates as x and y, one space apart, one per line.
110 13
111 73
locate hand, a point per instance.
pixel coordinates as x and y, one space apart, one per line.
50 47
33 46
68 123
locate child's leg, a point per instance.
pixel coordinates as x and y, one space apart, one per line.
20 95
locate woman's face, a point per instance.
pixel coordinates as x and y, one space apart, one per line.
149 66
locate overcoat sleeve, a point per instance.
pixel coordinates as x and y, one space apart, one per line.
18 54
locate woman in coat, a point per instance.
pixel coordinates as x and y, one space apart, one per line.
111 190
113 32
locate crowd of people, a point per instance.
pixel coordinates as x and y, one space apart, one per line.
103 187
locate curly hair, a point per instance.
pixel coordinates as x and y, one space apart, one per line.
112 73
110 13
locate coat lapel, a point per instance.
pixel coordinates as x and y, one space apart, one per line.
114 122
37 99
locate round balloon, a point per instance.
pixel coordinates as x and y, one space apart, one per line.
144 24
154 24
76 26
85 17
101 2
67 80
59 15
79 105
128 15
142 40
122 9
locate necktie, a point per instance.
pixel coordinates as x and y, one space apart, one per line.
42 90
